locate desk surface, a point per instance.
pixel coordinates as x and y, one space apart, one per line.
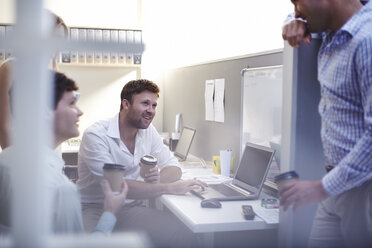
200 220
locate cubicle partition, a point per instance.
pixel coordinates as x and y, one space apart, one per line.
183 92
301 142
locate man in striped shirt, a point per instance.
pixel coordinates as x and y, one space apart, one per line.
344 216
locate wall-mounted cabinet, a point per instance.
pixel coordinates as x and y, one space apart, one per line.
114 36
89 57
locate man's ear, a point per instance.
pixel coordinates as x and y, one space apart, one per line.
125 104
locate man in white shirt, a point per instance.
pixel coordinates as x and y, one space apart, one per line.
65 203
124 139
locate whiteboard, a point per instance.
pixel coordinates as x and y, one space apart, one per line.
261 105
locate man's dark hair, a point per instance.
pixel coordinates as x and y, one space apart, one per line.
62 84
136 87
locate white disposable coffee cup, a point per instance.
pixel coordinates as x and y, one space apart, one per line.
114 173
225 159
147 162
285 178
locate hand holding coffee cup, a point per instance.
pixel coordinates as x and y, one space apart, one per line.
285 179
114 174
148 169
113 202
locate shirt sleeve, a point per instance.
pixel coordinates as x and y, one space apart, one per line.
291 17
356 167
106 223
161 152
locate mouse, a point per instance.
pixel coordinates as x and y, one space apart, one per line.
210 203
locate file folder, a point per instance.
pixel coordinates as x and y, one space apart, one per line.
114 39
98 54
82 37
2 37
105 54
130 40
90 54
137 40
66 57
74 36
8 34
122 36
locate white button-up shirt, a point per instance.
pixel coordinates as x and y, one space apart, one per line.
101 144
65 204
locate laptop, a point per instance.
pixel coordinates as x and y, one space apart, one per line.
249 177
184 143
276 147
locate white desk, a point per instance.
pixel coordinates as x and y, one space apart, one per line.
207 221
201 220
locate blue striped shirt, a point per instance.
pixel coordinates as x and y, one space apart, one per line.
345 74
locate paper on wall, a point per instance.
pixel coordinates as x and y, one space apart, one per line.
209 91
219 96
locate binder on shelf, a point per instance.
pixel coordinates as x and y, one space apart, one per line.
82 37
74 36
137 40
98 54
2 37
8 33
122 35
114 39
105 54
90 54
65 57
130 40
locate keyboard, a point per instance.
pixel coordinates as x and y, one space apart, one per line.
225 190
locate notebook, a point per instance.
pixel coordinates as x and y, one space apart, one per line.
184 143
249 177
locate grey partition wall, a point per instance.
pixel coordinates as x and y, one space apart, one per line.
301 142
183 92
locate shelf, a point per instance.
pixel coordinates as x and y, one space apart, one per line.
99 65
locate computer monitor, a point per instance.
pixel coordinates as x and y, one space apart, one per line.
184 143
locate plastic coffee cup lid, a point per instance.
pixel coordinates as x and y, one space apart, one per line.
113 167
285 176
149 160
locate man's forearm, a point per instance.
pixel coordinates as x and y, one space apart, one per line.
170 174
142 190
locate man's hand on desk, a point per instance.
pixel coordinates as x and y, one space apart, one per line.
182 187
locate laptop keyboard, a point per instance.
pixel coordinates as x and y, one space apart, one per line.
225 190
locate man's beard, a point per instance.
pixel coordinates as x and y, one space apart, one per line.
137 122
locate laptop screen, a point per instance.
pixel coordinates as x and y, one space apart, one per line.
184 143
254 165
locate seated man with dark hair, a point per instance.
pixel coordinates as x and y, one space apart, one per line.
66 206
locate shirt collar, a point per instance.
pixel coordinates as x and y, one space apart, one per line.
113 128
349 29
